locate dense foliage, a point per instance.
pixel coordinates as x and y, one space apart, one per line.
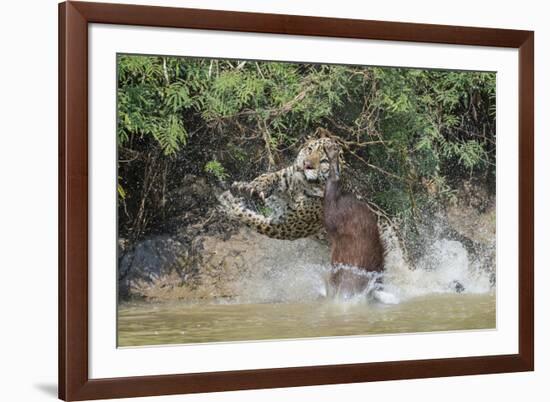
411 135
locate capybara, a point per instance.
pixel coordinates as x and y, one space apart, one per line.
353 233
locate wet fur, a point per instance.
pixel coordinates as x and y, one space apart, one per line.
352 229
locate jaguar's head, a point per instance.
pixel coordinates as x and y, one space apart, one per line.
313 161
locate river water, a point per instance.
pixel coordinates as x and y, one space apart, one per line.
179 323
449 292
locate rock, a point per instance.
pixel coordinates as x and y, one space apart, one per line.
240 265
152 261
458 287
476 225
473 215
472 219
214 267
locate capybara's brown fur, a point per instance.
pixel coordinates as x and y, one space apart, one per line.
353 233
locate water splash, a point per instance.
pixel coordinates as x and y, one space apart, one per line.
445 267
296 283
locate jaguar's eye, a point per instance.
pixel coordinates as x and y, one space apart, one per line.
324 161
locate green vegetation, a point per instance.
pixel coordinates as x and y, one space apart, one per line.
214 167
411 135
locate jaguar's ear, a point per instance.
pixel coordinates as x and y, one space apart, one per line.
322 133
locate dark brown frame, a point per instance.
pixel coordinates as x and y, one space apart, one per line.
74 18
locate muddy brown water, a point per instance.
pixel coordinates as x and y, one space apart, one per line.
179 323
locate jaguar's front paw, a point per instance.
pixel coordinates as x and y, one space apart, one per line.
229 204
248 190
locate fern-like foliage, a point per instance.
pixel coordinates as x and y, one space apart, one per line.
236 119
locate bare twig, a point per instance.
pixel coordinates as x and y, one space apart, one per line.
260 70
379 169
165 69
210 68
364 143
262 125
133 154
150 173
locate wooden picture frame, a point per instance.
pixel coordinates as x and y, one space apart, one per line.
74 381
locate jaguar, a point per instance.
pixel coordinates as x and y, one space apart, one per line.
290 199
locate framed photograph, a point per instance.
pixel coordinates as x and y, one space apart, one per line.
261 200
